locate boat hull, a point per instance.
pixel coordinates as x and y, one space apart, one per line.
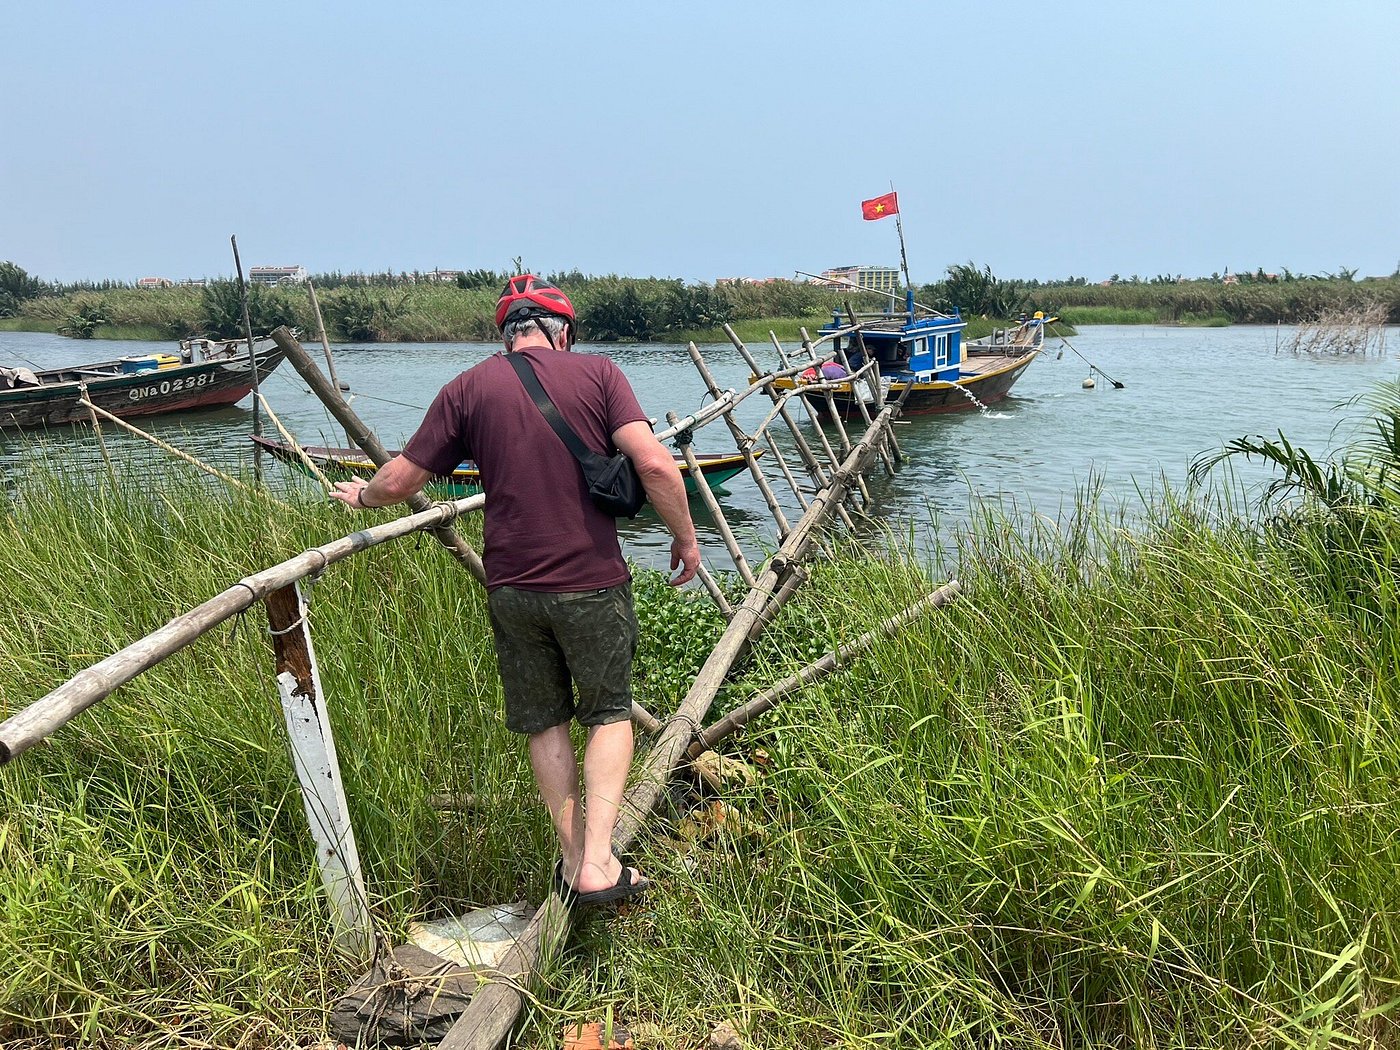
341 464
203 384
933 398
990 384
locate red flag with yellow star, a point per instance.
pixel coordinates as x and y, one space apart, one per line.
879 207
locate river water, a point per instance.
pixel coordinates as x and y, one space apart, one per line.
1185 391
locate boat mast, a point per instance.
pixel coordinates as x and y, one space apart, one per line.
899 226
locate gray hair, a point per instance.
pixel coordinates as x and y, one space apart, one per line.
548 324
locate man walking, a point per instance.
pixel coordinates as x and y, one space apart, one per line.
559 591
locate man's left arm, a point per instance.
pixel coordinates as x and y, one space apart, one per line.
392 483
666 490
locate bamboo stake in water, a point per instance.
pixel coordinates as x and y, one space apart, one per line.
835 414
97 429
702 486
816 423
860 399
772 445
340 388
745 450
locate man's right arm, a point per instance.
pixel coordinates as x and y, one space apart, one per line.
666 490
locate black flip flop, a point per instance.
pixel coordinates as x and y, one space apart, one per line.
624 887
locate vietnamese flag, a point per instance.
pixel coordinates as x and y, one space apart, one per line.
879 207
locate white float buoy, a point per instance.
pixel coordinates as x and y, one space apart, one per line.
1088 383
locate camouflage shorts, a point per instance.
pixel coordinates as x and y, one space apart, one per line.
546 640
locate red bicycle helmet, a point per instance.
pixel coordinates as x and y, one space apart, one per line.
528 296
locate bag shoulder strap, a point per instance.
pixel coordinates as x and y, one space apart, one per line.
531 382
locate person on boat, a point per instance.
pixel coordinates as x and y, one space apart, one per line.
834 370
559 591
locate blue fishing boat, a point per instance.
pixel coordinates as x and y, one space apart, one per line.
921 354
924 351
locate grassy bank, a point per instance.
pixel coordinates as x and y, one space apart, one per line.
610 309
1213 302
1134 789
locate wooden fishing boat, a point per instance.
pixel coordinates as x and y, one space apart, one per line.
340 464
924 350
205 373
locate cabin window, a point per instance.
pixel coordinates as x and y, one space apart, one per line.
940 352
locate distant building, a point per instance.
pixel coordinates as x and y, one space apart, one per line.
155 282
277 274
745 280
444 276
875 278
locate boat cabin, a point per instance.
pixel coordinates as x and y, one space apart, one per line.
928 348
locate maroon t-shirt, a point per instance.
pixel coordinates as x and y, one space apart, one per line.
543 532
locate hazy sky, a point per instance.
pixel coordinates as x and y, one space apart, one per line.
699 140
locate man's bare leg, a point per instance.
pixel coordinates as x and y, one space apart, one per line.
556 776
606 760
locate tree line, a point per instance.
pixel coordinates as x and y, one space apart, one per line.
409 308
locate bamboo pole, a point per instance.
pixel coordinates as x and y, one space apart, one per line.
167 447
252 361
767 384
340 388
702 487
794 579
804 450
365 438
876 393
97 429
826 445
744 445
321 335
306 460
645 720
725 402
492 1012
769 698
858 397
713 589
835 414
27 727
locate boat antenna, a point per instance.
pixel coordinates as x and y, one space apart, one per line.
252 362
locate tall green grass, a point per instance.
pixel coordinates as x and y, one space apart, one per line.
1134 789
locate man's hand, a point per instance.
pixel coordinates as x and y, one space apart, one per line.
393 483
686 556
348 492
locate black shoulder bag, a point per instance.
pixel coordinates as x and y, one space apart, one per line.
613 482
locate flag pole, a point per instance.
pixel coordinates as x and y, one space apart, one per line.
899 225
